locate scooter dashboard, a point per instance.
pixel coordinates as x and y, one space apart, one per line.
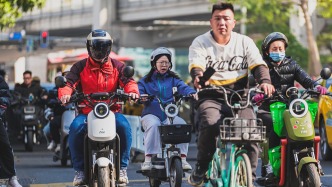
100 96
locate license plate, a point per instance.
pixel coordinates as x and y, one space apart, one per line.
27 117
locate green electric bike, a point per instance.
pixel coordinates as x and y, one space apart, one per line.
295 162
235 132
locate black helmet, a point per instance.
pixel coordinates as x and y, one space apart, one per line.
157 53
271 38
99 45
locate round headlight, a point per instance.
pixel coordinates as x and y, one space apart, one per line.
298 108
101 110
171 110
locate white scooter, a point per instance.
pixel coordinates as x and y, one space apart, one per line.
66 119
101 144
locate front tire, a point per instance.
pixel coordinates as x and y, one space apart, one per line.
326 151
154 182
310 176
64 156
242 172
104 177
176 173
29 144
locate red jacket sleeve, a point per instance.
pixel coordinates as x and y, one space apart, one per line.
131 87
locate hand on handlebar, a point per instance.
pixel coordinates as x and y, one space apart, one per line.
321 89
195 96
197 79
133 96
267 88
258 98
144 98
65 99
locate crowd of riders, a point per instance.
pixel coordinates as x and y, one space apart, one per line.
232 55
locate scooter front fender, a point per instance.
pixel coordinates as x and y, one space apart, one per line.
103 162
304 161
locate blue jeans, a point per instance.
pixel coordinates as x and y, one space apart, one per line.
78 129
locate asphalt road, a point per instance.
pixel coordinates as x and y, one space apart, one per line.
36 169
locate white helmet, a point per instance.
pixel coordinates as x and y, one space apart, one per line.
157 53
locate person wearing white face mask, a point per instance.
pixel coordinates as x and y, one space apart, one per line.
284 71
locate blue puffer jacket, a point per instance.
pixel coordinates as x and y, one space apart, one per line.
161 86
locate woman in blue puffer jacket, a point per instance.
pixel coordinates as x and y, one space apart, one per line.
159 82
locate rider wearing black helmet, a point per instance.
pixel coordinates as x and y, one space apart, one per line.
98 73
99 45
284 71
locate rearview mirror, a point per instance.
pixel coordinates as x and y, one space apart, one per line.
60 81
128 71
325 73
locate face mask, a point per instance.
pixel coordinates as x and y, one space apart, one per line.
277 57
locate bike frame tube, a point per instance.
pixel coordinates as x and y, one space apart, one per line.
316 146
231 168
224 173
283 162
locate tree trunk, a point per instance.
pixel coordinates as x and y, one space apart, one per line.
314 60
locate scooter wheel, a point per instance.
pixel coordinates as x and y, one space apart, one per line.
154 182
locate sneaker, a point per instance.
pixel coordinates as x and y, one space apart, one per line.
185 164
197 177
13 182
123 178
146 166
79 178
51 146
57 149
266 169
268 180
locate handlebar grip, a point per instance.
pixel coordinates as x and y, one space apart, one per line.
206 76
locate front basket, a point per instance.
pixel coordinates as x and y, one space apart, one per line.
175 134
242 130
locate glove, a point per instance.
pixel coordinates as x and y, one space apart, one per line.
258 97
321 89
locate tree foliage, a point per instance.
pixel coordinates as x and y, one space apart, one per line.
324 8
10 10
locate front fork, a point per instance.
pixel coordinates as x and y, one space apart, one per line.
314 152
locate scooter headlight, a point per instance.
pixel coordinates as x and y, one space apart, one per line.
298 108
171 110
101 110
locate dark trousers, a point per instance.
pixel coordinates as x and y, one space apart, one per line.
211 113
266 117
7 169
55 126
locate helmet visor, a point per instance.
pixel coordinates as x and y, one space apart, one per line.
99 49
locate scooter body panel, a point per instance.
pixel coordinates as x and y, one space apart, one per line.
300 129
101 129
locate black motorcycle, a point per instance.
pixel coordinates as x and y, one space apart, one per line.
30 121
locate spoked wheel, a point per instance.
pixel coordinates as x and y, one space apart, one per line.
176 173
242 173
214 173
104 177
326 151
154 182
310 176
